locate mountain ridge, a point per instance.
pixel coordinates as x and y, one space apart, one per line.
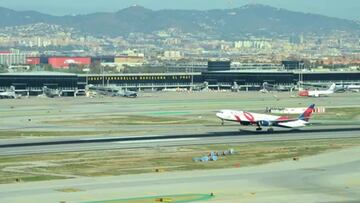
252 19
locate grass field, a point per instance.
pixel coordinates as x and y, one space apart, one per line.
19 134
121 162
347 114
159 119
170 198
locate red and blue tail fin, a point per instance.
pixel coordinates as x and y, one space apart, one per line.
307 113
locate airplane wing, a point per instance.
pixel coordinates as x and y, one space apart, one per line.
293 124
264 122
280 123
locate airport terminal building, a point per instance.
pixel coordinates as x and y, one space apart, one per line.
74 84
217 76
32 83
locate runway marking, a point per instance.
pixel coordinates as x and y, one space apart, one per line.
157 140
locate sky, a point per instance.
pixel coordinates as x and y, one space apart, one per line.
348 9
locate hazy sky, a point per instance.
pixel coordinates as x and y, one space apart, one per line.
349 9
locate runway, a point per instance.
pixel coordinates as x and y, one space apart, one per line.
57 145
332 177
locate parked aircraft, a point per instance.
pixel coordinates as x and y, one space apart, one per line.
51 93
265 120
112 91
9 94
354 88
126 93
267 87
201 87
318 93
235 87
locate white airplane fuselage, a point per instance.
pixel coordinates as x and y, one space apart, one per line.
265 120
318 93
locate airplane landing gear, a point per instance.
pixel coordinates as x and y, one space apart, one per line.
222 122
258 128
270 129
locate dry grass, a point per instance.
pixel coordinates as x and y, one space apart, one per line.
121 162
133 120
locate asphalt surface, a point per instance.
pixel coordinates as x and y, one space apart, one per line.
332 177
48 145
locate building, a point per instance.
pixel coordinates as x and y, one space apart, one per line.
254 78
32 83
142 79
185 66
257 78
257 44
173 55
32 60
11 58
130 60
103 59
44 59
65 62
296 39
221 65
293 65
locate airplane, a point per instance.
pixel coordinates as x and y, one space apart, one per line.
235 87
265 120
112 91
9 94
126 93
318 93
354 88
267 87
51 93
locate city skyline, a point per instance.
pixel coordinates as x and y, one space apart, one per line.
347 9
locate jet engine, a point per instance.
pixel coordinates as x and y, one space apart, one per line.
265 123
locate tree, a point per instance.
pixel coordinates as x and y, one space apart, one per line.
95 68
76 68
48 67
3 69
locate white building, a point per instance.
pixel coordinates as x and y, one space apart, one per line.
256 44
173 55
